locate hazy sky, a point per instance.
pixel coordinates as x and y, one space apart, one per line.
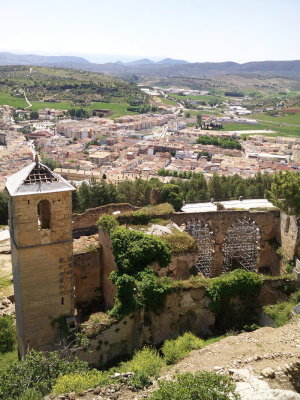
195 30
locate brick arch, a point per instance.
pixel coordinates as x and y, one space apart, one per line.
241 245
206 242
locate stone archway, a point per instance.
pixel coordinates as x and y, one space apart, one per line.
206 242
241 246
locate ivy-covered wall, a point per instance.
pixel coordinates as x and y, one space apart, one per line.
186 308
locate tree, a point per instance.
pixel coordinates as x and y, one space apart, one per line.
171 193
285 192
34 115
7 334
199 120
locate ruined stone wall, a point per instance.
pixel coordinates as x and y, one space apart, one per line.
179 267
87 277
268 223
89 218
108 264
290 235
185 310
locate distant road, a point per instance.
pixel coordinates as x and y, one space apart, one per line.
28 102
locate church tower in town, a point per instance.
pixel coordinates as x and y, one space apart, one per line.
40 220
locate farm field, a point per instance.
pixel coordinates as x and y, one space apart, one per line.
288 131
117 109
168 101
285 119
16 102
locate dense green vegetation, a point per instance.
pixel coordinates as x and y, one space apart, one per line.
192 188
224 142
136 283
38 373
7 334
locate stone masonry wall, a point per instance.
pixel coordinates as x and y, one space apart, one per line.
290 235
268 223
185 310
87 277
89 218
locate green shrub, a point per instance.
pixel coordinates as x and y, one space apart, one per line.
180 242
7 334
146 361
134 218
200 386
175 350
38 371
126 298
152 289
239 282
234 298
139 381
134 251
31 394
80 381
108 223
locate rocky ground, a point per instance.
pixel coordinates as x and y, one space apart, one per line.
265 365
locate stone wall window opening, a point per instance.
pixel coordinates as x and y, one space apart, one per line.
287 225
241 246
44 214
205 242
62 301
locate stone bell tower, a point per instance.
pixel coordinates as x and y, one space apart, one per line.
40 219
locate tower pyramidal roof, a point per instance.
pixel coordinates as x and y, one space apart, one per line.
36 178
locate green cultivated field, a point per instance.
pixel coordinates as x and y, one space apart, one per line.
16 102
292 131
285 119
118 109
38 105
168 101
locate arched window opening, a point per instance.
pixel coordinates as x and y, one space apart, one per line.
44 214
287 225
241 246
206 242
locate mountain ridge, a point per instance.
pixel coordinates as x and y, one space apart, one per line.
167 67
